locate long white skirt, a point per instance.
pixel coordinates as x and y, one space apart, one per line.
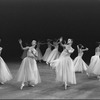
5 74
65 71
46 54
28 71
94 67
79 64
53 55
39 54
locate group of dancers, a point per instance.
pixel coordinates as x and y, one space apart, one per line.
65 67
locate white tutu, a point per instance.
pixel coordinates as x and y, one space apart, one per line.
53 55
5 74
39 53
28 71
46 54
79 64
94 67
64 67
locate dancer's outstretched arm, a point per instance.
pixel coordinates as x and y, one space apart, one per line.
24 48
85 49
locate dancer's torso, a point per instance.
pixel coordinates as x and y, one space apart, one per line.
30 52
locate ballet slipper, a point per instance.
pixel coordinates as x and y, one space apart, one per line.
30 85
22 86
65 86
87 74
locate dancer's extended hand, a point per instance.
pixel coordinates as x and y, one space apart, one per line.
20 41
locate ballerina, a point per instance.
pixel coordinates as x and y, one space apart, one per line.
48 51
55 53
64 65
28 71
5 74
94 66
79 64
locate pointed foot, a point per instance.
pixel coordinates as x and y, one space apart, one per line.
22 86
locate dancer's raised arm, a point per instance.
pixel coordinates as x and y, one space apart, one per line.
63 45
24 48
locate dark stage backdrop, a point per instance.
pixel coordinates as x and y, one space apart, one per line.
42 19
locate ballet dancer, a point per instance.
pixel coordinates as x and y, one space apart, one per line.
48 50
28 71
55 53
79 64
5 74
94 66
64 65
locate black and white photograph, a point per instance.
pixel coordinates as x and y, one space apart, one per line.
49 49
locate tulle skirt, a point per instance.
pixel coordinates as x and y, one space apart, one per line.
53 55
28 71
94 67
39 54
79 64
65 71
5 74
46 54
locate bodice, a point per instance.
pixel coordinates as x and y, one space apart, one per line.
31 51
67 51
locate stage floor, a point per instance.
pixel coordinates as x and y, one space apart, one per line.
86 88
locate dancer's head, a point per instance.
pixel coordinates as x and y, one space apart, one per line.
34 43
69 41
